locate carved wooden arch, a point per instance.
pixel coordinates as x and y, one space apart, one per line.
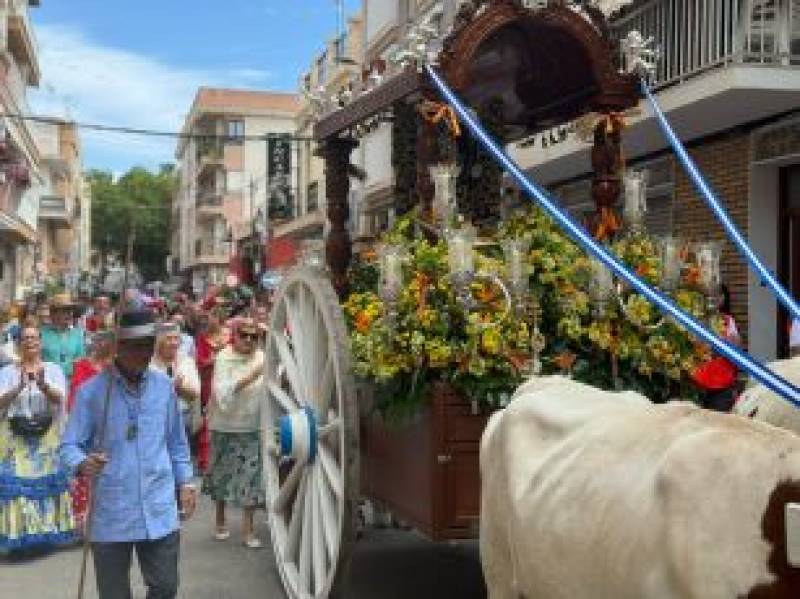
555 62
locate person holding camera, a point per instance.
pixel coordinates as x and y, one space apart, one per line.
35 504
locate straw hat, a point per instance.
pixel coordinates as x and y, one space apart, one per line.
62 300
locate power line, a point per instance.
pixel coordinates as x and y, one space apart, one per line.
153 132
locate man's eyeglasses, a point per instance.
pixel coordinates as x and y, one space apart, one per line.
249 336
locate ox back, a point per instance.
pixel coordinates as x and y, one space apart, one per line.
594 495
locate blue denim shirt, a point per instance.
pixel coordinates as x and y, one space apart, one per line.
135 494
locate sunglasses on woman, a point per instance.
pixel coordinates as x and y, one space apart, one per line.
249 336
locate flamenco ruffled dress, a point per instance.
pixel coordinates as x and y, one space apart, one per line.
35 503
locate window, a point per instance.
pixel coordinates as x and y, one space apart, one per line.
234 131
312 197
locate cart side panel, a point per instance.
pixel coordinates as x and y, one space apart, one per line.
426 470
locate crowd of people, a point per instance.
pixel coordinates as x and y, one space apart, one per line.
108 411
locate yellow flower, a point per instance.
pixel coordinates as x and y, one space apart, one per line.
490 341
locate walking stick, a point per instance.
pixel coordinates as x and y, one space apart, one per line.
87 533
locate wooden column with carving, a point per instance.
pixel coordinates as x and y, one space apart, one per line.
427 155
338 247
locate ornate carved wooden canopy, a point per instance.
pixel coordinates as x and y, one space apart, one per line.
547 66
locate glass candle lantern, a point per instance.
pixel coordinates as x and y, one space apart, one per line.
517 267
391 267
671 262
602 285
635 205
459 249
444 201
708 265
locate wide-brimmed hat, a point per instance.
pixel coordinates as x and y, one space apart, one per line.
136 324
62 300
167 328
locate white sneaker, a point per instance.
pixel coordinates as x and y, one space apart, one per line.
222 534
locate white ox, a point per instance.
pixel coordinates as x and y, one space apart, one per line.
595 495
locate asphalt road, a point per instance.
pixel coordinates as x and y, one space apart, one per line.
387 564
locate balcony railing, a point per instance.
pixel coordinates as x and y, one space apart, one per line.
210 200
697 35
22 40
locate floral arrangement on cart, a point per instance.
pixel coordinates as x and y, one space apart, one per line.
437 301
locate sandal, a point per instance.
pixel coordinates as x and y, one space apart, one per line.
253 543
221 533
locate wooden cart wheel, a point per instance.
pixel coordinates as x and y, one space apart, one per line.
310 437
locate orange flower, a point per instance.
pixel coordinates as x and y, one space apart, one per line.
363 321
565 360
486 294
693 275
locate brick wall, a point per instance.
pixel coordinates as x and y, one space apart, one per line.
724 162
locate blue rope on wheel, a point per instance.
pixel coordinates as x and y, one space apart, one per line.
744 361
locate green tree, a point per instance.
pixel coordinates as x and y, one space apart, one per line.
134 209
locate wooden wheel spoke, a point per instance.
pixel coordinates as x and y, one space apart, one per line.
288 361
331 469
324 389
329 518
306 539
287 488
318 548
287 402
293 532
297 335
331 428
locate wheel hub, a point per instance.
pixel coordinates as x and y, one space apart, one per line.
298 435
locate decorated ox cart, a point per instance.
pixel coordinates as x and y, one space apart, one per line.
327 442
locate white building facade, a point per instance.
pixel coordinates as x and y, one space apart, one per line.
20 160
220 205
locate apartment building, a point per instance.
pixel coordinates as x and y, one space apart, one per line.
64 221
386 26
728 81
333 73
20 176
220 210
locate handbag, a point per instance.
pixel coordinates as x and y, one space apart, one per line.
31 426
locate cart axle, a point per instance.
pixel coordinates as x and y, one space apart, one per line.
298 435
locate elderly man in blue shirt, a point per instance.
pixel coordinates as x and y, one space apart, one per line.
126 430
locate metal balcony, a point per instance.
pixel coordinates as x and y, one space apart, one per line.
54 208
695 36
21 40
210 205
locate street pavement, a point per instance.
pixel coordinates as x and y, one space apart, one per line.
387 564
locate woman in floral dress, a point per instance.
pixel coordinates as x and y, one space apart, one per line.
101 350
35 505
234 475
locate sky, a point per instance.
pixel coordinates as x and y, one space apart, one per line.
139 63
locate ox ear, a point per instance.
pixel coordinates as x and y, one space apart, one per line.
793 534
